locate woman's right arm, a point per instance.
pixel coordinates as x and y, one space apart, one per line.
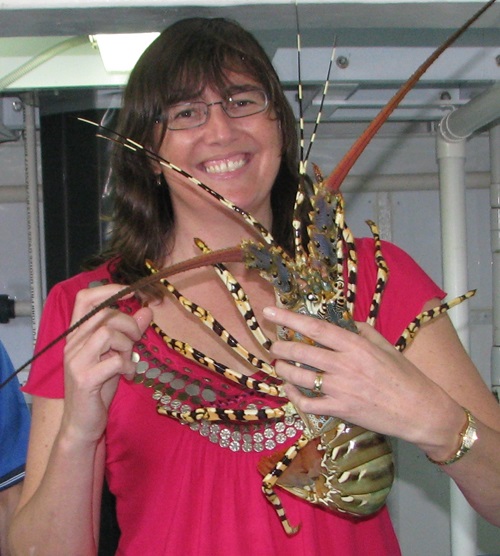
59 508
58 513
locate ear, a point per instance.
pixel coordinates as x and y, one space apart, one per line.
157 138
155 167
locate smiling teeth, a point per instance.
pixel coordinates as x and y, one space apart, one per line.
225 166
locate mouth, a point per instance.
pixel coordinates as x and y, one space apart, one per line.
225 166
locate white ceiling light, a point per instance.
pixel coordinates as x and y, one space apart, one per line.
120 52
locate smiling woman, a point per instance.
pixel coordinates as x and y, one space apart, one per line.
194 487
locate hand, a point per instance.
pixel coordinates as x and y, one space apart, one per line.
366 381
96 355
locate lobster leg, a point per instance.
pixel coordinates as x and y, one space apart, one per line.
213 324
225 415
240 298
411 330
274 475
382 274
195 355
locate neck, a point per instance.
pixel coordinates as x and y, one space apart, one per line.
217 226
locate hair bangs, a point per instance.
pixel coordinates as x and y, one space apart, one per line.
199 68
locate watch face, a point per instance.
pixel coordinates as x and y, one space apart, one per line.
470 436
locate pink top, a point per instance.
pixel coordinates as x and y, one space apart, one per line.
198 492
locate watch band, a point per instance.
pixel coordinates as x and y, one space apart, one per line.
469 437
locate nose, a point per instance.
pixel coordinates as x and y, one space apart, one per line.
218 125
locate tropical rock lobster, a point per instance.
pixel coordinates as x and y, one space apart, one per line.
350 469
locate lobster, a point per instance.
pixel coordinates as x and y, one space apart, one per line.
349 469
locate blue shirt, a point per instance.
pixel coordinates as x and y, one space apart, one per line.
14 426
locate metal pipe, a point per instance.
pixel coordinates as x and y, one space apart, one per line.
495 251
22 308
451 161
17 193
40 59
454 129
33 211
480 111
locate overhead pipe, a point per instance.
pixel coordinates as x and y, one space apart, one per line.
454 130
40 59
460 124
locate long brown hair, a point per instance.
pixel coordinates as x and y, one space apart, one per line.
179 64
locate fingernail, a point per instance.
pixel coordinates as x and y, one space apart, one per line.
269 312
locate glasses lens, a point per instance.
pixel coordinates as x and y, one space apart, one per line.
194 114
245 103
186 115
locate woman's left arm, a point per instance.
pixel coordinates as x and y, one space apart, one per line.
418 396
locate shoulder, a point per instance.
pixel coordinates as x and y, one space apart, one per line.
402 268
64 292
46 374
407 287
87 279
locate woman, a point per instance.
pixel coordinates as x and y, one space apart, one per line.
196 489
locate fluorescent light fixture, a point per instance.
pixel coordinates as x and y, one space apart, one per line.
120 52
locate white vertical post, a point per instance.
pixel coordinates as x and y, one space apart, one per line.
495 250
451 161
34 242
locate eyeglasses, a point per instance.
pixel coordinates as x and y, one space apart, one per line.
187 115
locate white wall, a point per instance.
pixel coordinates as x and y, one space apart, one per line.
17 335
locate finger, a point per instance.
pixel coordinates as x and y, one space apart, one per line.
89 298
304 403
303 355
143 317
109 319
106 339
103 355
320 331
297 375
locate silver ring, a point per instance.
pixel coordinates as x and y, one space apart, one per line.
318 383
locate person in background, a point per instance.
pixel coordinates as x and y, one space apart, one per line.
205 96
14 433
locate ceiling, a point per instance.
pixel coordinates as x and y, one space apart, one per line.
274 23
378 46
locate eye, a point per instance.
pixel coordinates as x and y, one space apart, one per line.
182 112
240 103
246 103
189 114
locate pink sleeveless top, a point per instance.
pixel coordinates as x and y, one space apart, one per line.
195 490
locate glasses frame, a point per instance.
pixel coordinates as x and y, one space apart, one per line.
223 104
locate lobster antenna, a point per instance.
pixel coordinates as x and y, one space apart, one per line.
299 197
336 178
120 139
232 254
301 189
323 97
300 95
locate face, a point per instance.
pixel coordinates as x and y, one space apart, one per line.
237 157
